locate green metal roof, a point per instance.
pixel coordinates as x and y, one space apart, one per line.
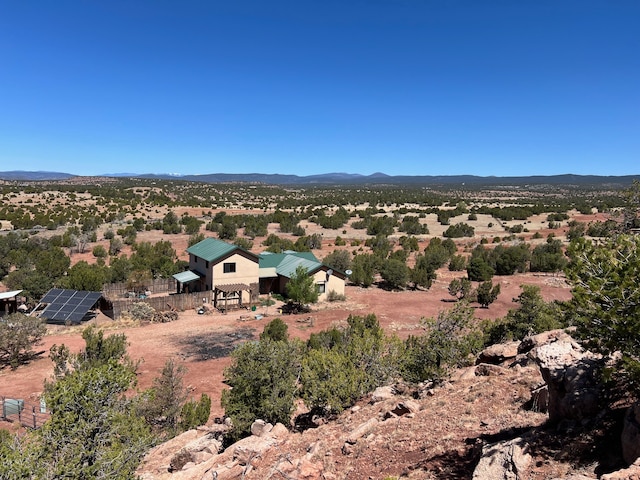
270 260
211 249
286 263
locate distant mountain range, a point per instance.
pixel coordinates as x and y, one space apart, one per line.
348 179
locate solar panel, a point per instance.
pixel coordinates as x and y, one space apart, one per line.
68 305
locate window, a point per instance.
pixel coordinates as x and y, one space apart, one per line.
321 287
229 267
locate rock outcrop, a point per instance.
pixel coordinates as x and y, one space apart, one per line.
503 461
570 373
475 424
630 439
499 353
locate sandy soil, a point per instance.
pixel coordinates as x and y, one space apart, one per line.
203 342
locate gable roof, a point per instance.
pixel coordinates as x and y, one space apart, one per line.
286 263
212 249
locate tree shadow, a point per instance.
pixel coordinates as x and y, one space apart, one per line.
24 359
213 345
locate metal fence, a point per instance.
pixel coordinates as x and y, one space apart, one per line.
28 414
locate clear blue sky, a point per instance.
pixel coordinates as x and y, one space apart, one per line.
404 87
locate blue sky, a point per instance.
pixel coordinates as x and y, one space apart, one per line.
404 87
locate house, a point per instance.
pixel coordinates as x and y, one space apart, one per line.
277 268
236 276
230 272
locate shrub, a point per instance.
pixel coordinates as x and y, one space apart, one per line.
333 296
533 315
99 251
195 413
276 330
459 230
161 404
487 293
457 263
606 301
339 260
448 343
548 257
243 243
263 379
395 273
342 365
18 335
141 311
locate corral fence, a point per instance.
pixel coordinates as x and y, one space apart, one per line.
161 297
176 302
28 414
122 290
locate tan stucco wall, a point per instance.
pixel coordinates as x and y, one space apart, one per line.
246 272
336 284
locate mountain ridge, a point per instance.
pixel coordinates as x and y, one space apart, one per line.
342 178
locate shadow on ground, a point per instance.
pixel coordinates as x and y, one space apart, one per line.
213 345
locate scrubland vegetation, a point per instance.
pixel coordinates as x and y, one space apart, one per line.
381 235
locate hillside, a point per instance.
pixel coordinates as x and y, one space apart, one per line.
482 424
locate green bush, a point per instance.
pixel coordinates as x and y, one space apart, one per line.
532 316
18 335
276 330
449 342
457 263
333 296
459 230
263 379
342 365
195 413
606 301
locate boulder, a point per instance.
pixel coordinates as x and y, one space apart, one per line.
361 430
260 428
630 473
498 353
534 341
631 434
489 370
382 393
539 399
158 459
302 469
405 407
503 461
571 377
195 452
208 443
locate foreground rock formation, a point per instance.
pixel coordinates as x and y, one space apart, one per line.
489 421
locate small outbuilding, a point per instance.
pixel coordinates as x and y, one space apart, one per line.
9 302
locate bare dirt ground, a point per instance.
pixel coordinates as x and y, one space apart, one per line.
434 444
203 342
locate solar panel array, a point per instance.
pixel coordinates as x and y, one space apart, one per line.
68 306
